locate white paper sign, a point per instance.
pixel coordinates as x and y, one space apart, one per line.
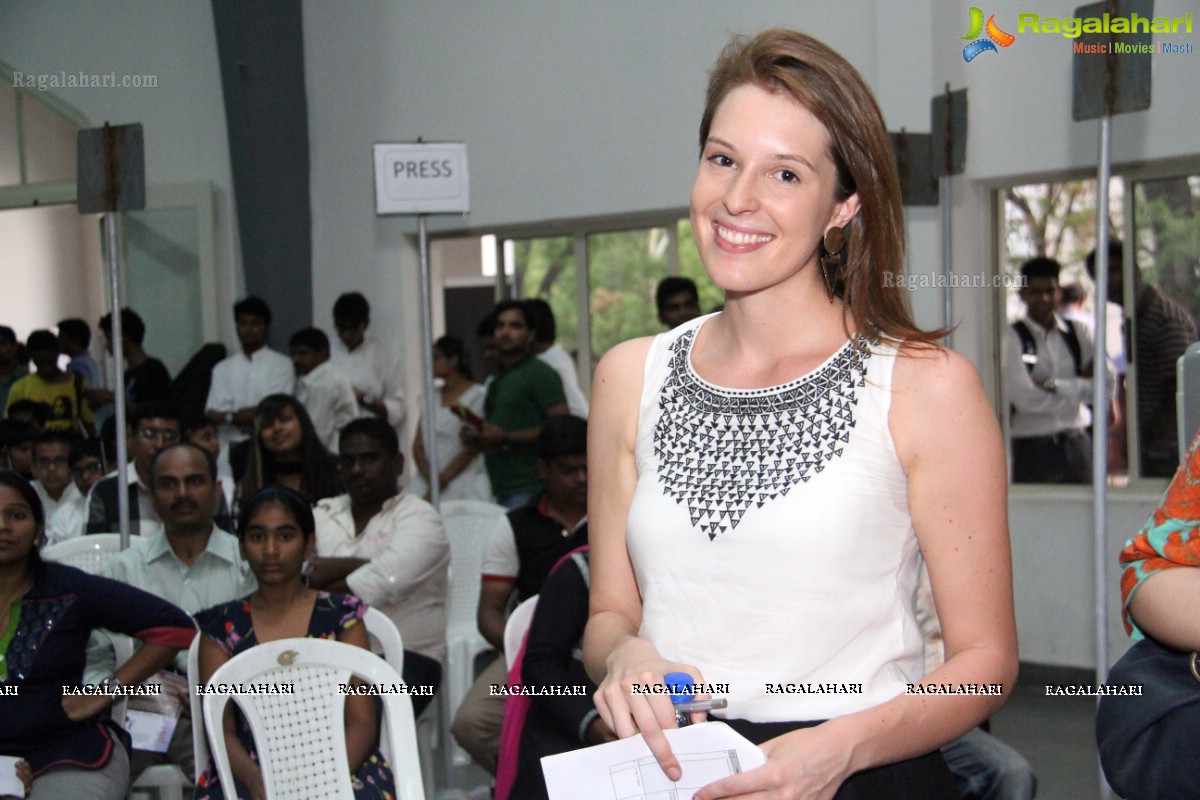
425 178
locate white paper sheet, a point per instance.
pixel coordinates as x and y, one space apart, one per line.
626 770
151 719
10 784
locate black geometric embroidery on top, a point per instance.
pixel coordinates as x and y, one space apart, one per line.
723 452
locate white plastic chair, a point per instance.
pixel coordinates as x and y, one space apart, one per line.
88 553
383 632
384 635
301 737
468 523
199 743
516 627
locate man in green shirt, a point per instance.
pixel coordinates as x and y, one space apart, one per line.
521 395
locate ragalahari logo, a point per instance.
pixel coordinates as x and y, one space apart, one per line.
995 36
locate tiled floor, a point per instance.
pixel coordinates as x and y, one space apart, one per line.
1056 735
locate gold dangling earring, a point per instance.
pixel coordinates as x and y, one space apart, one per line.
831 258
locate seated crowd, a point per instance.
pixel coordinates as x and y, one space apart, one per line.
302 452
277 511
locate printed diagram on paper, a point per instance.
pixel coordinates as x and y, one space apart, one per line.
643 779
626 770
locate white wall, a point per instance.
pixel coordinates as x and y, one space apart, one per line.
184 117
43 250
568 110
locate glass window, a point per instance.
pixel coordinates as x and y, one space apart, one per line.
545 268
1048 352
1166 300
623 269
1154 302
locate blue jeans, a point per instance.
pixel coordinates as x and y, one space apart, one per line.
511 501
985 768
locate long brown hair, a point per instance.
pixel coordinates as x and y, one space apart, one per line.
824 83
319 473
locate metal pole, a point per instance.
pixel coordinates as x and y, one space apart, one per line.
112 250
583 336
429 426
1100 401
944 199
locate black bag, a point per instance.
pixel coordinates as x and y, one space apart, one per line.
1148 744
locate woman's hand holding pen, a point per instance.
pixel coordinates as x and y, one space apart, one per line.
807 764
636 662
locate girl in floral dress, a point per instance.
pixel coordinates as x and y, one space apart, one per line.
277 534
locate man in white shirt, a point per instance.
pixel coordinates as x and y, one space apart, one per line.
545 334
1048 377
372 370
386 547
321 388
246 377
52 471
191 563
86 469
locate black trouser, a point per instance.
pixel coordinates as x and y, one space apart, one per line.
421 670
1065 457
922 778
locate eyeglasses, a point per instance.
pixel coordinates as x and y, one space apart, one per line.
89 469
47 463
164 435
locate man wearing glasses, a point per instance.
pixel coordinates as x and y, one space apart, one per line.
87 468
153 427
52 471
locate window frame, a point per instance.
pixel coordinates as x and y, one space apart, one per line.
1127 175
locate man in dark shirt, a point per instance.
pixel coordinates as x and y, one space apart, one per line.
519 553
146 378
153 427
678 301
1164 330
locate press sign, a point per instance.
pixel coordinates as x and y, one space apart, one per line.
421 178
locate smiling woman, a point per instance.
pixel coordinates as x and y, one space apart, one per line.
287 451
770 446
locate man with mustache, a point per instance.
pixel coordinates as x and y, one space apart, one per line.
191 563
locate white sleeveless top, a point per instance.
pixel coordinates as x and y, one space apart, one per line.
771 537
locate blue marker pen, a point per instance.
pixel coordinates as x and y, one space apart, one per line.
683 689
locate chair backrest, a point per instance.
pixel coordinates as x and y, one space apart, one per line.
301 737
516 627
88 553
467 525
199 743
383 632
